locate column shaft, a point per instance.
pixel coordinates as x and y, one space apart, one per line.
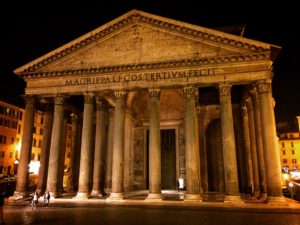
118 148
23 172
192 158
253 146
154 146
246 134
259 144
100 147
55 148
85 171
45 149
270 142
228 144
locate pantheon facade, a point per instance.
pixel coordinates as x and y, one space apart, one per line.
153 101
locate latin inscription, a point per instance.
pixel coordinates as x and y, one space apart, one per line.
106 79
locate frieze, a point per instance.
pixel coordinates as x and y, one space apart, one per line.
137 18
137 77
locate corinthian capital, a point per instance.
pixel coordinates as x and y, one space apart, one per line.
154 93
224 90
59 100
89 98
101 103
190 91
120 94
264 86
30 99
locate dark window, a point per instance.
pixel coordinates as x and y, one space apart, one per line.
41 131
292 144
42 120
284 160
34 130
283 152
282 144
293 152
20 115
294 161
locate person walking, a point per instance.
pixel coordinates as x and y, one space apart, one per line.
34 200
46 198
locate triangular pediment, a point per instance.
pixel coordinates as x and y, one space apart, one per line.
141 38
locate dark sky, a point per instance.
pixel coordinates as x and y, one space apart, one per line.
31 30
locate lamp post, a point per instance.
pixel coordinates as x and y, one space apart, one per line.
291 185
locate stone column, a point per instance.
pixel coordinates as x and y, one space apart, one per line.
246 134
61 172
228 144
55 148
253 146
100 147
117 192
192 158
110 145
76 132
86 157
45 148
154 146
259 144
23 168
270 143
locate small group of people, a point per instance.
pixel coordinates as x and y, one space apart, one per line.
35 199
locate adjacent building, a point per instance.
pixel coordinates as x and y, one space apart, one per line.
289 144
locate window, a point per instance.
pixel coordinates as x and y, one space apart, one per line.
292 144
34 130
293 152
41 131
20 115
17 155
42 120
2 154
32 156
40 143
282 144
34 142
39 157
19 129
294 161
283 152
4 140
284 160
10 155
68 154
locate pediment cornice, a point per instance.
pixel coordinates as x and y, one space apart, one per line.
152 66
138 17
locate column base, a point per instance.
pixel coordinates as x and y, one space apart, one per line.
192 197
263 196
82 196
18 195
277 201
97 193
115 197
233 199
54 194
154 197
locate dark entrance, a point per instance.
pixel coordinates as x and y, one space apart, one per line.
168 159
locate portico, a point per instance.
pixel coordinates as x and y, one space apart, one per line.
142 74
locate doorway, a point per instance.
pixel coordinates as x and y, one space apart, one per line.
168 159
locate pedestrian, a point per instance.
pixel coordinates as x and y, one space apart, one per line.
46 198
2 195
35 200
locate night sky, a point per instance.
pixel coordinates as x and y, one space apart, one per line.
28 33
